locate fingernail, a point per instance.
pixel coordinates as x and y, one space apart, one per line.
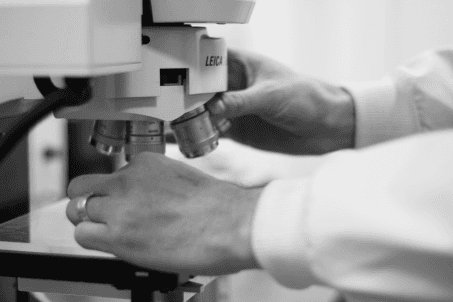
223 125
217 107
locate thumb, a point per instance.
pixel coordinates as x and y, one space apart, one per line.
236 103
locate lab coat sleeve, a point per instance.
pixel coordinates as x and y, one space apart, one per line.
416 97
373 222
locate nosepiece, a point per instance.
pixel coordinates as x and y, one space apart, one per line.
194 132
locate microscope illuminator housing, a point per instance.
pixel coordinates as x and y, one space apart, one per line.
94 37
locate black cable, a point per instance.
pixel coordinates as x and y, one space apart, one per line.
45 85
77 92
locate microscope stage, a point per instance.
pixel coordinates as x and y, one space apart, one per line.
41 246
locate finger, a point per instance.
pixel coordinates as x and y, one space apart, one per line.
93 236
85 184
240 97
238 70
95 210
236 103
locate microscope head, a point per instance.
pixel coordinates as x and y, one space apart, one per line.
149 69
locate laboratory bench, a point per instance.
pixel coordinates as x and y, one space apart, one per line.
39 250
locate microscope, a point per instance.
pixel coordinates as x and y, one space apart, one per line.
150 68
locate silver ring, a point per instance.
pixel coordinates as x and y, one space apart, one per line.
81 206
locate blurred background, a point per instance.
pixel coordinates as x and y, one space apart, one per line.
337 41
333 40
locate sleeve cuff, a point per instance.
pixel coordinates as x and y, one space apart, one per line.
379 115
278 236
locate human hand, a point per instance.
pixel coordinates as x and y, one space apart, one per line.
274 109
163 214
247 166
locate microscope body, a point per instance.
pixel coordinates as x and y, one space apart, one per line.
182 68
149 69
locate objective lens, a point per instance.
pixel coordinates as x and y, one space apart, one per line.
195 133
144 137
108 136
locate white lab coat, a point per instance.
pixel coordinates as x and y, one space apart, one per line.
377 222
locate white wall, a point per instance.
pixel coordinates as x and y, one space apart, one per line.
342 40
416 25
334 40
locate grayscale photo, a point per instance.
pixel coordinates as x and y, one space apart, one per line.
226 151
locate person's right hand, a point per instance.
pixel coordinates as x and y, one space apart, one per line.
273 108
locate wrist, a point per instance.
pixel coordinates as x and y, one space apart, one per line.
340 119
243 248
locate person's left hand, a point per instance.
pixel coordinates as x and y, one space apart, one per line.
162 214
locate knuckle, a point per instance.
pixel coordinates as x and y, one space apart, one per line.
141 157
122 183
216 106
234 103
